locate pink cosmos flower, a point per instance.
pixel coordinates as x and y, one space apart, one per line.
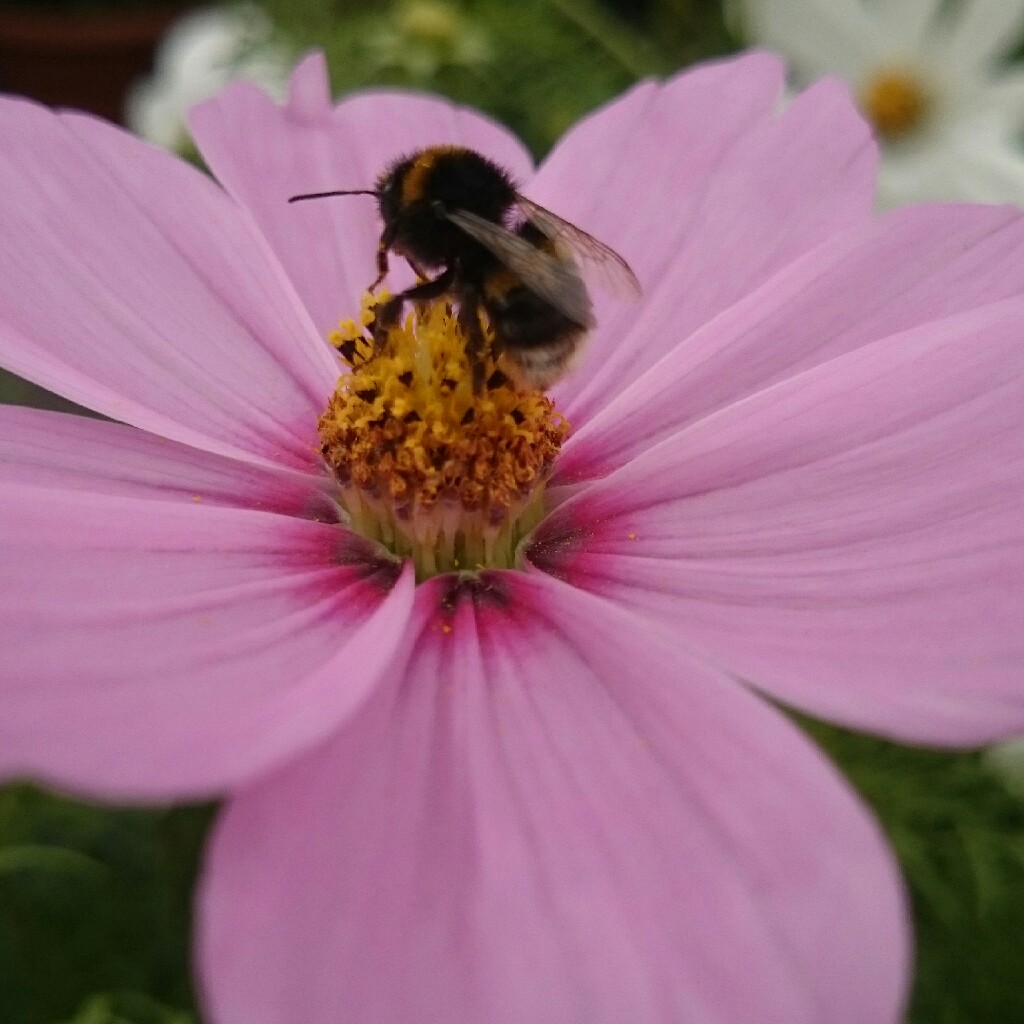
543 793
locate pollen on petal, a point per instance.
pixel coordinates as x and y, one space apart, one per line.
425 464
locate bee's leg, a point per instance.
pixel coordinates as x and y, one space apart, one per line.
387 314
416 269
387 240
476 342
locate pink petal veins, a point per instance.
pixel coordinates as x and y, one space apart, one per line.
850 540
634 172
134 286
914 266
57 451
538 821
783 186
160 645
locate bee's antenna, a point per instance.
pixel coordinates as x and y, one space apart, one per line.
324 195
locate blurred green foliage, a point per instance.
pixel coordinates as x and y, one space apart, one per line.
15 391
128 1008
95 902
535 65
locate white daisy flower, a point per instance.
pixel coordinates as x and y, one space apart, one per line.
932 78
199 56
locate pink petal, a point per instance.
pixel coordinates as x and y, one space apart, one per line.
704 237
164 636
851 539
634 172
552 817
264 153
58 451
915 265
130 283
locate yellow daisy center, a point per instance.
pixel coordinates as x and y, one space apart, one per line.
435 472
896 102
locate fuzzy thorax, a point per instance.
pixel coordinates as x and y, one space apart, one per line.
452 479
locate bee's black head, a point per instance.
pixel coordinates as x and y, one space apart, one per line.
444 178
390 190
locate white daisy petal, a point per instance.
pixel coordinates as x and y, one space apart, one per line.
1004 99
907 23
927 77
818 37
977 167
983 32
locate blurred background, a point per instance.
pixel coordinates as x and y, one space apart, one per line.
95 901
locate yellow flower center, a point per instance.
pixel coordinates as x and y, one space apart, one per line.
450 478
895 101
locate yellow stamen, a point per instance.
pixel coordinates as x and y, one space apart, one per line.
895 101
452 479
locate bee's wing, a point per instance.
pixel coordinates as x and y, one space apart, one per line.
557 281
601 265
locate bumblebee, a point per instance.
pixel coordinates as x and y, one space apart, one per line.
454 214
